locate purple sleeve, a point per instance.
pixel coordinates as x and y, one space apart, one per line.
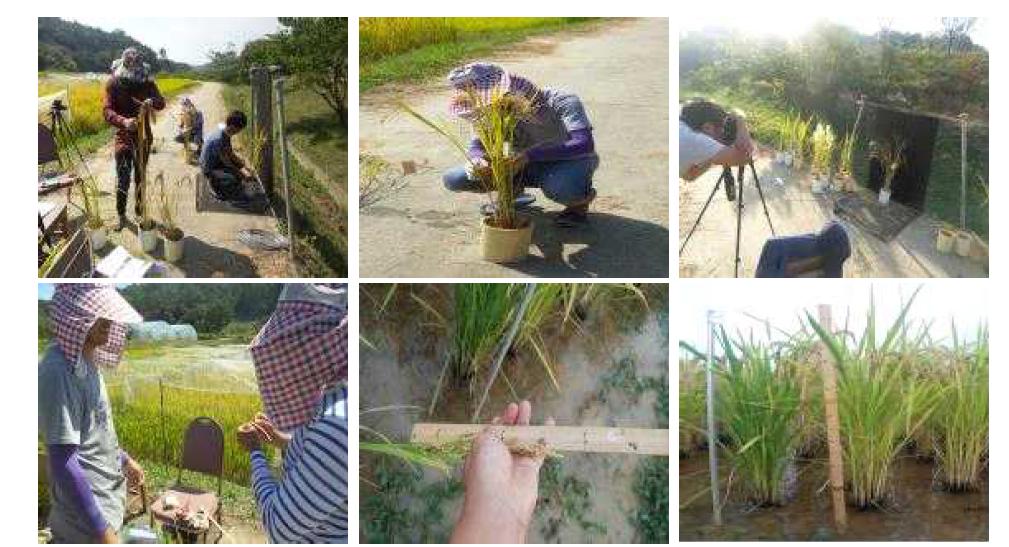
579 143
67 472
476 150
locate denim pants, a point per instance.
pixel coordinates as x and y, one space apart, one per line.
566 181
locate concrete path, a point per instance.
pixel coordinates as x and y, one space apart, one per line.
212 248
621 71
796 210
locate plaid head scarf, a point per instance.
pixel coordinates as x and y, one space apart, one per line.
485 79
76 307
301 352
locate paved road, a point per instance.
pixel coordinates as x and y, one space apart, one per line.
620 70
212 246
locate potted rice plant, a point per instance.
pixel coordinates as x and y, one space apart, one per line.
892 157
95 225
963 243
172 235
505 233
845 163
799 141
823 150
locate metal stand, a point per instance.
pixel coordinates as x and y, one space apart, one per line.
730 194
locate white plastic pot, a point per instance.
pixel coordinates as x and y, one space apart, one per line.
884 196
504 245
148 239
99 237
788 159
819 185
963 243
944 239
173 249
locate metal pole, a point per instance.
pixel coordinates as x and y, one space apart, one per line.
285 166
963 171
716 502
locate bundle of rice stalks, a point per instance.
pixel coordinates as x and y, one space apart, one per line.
758 408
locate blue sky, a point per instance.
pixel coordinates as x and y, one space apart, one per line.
46 290
188 39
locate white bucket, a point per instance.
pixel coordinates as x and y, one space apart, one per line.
99 237
884 196
148 240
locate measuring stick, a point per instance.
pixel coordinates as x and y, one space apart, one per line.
618 440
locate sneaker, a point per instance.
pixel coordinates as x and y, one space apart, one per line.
576 214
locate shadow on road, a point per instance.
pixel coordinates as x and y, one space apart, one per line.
613 246
204 260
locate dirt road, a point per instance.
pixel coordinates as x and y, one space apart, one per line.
796 210
620 70
212 248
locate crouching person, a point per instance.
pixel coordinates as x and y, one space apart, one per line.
224 169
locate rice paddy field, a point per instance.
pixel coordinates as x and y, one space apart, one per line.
584 354
913 415
83 96
401 49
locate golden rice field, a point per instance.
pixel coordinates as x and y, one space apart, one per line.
384 36
85 98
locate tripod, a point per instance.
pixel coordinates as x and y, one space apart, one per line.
730 193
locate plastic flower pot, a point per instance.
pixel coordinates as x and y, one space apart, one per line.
884 196
99 237
504 245
174 245
944 239
820 183
148 237
963 243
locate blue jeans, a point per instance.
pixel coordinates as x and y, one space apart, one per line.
566 181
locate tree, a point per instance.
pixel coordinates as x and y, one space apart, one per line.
956 33
314 50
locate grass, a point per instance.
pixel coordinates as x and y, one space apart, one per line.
960 422
692 405
410 49
320 208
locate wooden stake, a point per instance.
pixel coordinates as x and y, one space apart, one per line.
716 502
620 440
834 454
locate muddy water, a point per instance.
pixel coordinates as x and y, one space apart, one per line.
404 372
919 512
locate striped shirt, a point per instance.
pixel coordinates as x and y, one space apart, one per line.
309 504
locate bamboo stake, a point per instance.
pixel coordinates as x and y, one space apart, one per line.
618 440
834 454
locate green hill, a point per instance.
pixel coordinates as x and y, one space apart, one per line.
69 46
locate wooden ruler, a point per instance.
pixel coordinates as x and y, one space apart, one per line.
614 440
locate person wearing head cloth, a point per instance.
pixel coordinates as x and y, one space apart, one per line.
555 148
88 470
300 357
190 129
129 86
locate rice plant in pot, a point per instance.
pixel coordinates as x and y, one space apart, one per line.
892 157
799 141
90 198
783 156
845 162
172 234
494 117
823 151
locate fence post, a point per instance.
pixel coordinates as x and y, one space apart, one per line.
963 171
716 502
834 454
262 122
164 444
285 167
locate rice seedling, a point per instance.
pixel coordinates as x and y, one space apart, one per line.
881 405
960 423
846 155
692 405
758 407
384 36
